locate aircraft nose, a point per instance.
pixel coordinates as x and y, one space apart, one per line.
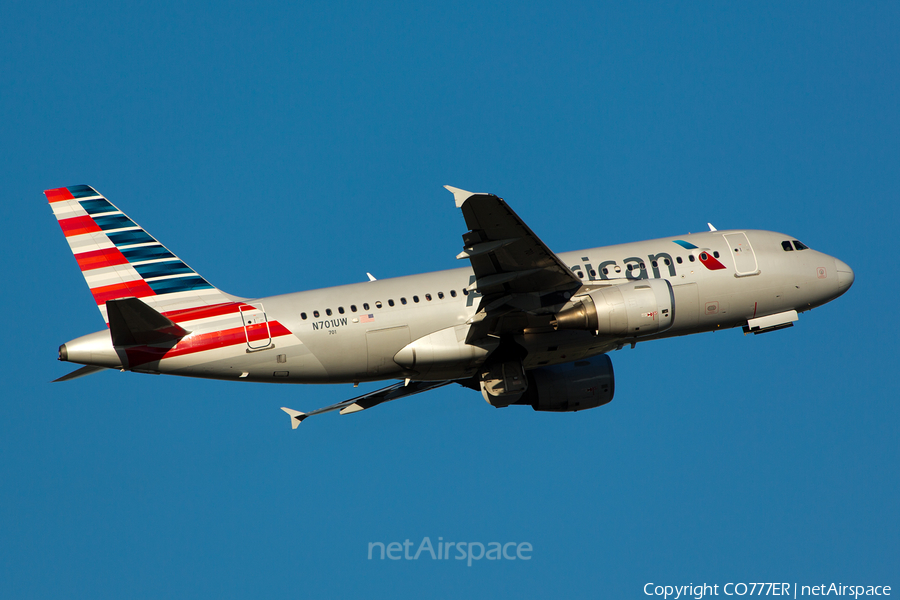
845 275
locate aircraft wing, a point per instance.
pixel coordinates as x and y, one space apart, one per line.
514 270
392 392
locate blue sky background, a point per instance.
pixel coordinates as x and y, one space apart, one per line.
279 147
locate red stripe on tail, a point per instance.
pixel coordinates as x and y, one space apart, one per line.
137 288
97 259
58 195
203 312
78 225
205 341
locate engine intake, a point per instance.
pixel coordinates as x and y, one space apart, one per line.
632 309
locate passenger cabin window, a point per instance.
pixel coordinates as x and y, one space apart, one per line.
415 298
716 254
441 295
341 309
378 304
800 246
352 308
303 316
390 302
465 292
328 311
691 257
678 259
402 300
365 306
428 297
787 246
453 293
316 314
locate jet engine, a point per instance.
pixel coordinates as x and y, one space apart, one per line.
631 309
571 386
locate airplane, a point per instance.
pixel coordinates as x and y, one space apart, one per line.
519 323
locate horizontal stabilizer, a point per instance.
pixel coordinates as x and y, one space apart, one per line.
88 370
133 323
296 416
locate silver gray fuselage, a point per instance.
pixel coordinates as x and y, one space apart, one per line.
327 341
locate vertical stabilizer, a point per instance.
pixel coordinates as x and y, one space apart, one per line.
120 260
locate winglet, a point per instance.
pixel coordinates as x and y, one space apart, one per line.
296 416
460 196
711 228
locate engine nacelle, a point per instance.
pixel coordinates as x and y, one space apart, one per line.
633 309
571 386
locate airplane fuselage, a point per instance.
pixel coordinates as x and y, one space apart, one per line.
350 333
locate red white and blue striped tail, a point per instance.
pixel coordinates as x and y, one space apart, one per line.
120 260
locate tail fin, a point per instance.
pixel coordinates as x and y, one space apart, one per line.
120 260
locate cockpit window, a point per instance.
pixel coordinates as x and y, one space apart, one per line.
800 246
786 244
